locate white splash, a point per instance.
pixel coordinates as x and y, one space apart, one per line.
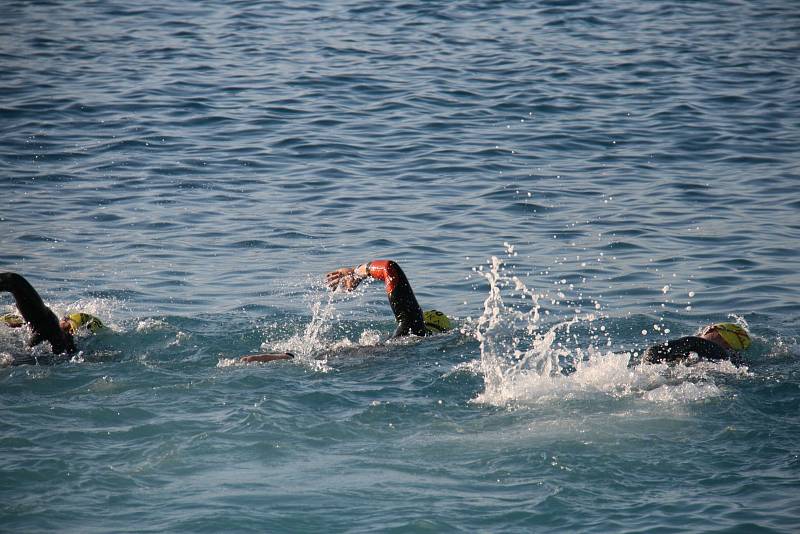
6 359
315 344
181 338
310 345
151 325
106 309
522 357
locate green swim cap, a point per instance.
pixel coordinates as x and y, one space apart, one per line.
12 319
733 334
78 320
436 322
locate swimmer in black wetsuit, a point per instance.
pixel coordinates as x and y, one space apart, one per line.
720 341
410 317
44 324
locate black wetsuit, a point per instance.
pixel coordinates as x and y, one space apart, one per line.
404 304
679 349
42 320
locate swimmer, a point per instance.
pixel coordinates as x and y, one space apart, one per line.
44 324
720 341
410 318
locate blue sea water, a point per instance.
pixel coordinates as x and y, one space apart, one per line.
570 180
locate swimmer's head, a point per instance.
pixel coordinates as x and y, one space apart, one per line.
436 322
12 319
75 321
729 334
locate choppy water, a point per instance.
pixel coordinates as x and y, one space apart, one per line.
188 171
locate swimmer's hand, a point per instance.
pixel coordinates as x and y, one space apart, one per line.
270 357
346 278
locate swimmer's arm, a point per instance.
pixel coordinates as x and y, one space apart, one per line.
348 278
404 303
42 320
405 307
29 303
267 357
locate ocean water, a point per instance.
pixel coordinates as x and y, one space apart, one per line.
570 180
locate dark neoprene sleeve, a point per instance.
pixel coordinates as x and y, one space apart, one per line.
401 297
42 320
679 349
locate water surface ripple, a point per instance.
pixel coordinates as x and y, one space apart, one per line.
187 171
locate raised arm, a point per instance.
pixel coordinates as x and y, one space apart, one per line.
42 320
404 304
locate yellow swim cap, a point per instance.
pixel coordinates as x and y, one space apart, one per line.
12 319
733 334
78 320
436 322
